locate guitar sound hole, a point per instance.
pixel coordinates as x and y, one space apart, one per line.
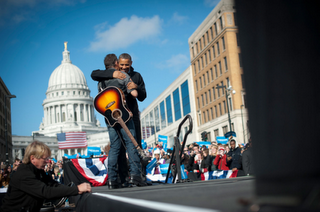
116 114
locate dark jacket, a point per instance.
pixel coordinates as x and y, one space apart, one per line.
206 163
247 162
30 186
236 161
102 75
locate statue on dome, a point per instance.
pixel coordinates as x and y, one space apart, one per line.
65 45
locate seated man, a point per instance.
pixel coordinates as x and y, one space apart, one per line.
30 185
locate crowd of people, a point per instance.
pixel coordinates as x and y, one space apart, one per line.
200 159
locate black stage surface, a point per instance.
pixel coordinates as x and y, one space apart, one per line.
201 196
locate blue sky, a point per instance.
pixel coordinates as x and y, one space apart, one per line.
155 33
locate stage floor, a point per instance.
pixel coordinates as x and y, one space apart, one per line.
201 196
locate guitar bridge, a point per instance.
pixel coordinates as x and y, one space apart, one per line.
110 104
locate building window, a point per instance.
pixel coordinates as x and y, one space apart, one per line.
200 81
242 80
223 44
211 72
63 116
210 98
192 50
151 122
225 129
198 101
202 62
176 102
222 88
194 68
213 52
157 118
185 98
208 79
207 36
216 133
220 68
221 24
215 29
169 110
220 109
208 116
209 53
211 110
218 48
204 117
202 100
198 66
211 33
205 58
163 115
214 93
215 110
196 85
218 91
228 82
225 63
205 94
216 71
204 81
197 48
204 41
224 106
200 44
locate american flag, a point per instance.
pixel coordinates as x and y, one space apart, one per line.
72 140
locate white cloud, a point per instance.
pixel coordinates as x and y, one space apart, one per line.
176 18
125 33
176 64
211 3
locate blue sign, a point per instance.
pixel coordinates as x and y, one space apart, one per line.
151 165
164 168
93 150
143 144
183 173
165 148
163 138
221 140
230 133
201 143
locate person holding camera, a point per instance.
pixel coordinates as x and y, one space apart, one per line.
221 159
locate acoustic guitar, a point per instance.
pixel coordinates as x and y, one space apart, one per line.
111 103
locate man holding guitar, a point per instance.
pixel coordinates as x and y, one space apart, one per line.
111 102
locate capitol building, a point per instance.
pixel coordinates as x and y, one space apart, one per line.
68 107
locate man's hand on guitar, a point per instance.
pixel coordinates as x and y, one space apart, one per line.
131 85
119 75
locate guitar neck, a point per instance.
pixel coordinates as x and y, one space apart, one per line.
124 126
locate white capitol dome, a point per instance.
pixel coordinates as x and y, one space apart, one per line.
67 75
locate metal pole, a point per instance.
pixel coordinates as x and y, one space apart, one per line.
244 136
228 108
6 125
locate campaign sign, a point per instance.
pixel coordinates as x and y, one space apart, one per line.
151 165
163 138
143 144
221 140
183 173
230 133
201 143
93 150
165 148
164 168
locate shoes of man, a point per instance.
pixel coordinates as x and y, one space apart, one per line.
113 185
137 180
125 185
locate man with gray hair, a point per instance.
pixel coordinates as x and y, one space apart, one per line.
30 185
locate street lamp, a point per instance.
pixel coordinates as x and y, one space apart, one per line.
244 136
6 125
227 90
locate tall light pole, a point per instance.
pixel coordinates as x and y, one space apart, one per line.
244 136
227 90
6 125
